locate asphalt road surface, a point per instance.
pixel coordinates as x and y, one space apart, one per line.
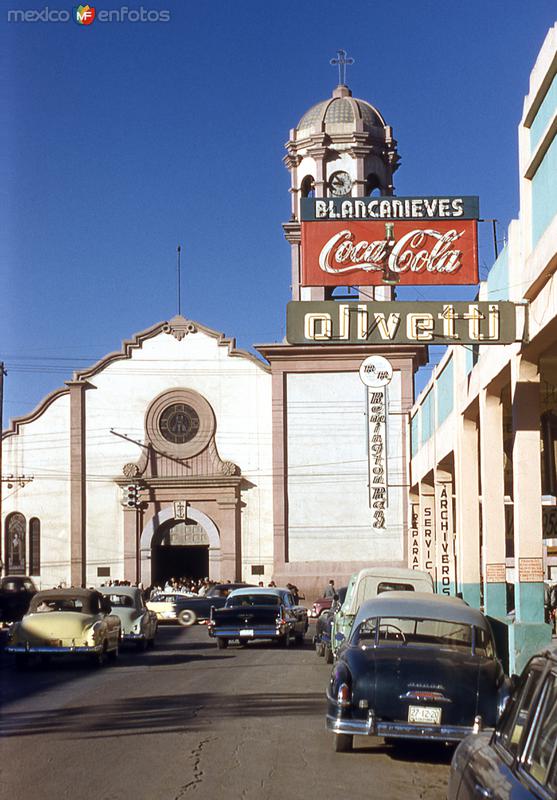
186 720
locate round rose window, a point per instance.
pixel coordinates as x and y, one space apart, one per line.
179 423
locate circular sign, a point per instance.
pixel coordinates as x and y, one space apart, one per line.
179 423
376 371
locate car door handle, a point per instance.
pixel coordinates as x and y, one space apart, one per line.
482 791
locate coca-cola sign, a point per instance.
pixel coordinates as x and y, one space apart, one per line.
417 252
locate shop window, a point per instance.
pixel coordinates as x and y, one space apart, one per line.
15 544
34 546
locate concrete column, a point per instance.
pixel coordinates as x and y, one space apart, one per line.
529 632
493 503
130 546
78 484
467 511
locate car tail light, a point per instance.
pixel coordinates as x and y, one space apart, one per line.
343 695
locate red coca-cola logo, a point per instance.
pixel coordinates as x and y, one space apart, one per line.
363 253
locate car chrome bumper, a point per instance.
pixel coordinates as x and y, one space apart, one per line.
258 633
400 730
132 637
47 648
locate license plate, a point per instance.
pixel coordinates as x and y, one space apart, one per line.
424 714
246 632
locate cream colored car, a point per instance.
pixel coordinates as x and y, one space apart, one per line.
66 621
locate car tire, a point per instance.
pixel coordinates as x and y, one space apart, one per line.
222 644
328 653
344 743
285 640
142 645
151 642
187 617
299 639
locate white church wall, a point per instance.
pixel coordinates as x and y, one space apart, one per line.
41 450
239 392
329 518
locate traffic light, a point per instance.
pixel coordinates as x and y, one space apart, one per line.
132 496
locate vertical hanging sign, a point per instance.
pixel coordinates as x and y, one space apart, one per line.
427 532
414 554
376 373
444 539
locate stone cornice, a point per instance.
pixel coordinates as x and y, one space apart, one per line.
278 354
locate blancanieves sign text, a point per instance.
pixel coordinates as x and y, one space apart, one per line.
385 208
401 323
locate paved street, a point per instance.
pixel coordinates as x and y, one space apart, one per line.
187 720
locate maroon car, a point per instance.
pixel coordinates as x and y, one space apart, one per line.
323 604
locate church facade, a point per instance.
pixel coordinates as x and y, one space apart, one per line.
181 455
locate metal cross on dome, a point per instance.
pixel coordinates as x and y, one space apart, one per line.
341 61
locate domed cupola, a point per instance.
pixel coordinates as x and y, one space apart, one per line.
340 146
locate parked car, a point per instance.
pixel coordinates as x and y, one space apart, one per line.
176 607
371 582
518 760
416 666
321 604
259 614
138 623
66 621
323 627
16 592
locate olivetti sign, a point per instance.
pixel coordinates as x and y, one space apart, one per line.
397 322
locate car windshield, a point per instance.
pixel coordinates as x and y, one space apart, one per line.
60 604
253 600
407 631
121 601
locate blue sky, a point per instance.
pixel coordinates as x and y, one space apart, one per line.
122 140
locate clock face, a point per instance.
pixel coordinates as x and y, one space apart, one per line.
340 183
179 423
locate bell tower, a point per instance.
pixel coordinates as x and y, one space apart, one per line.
342 146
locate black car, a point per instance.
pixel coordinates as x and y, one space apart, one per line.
259 613
415 666
322 638
188 610
16 592
518 760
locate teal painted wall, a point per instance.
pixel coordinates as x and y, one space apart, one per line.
428 418
495 599
544 115
544 193
445 392
498 278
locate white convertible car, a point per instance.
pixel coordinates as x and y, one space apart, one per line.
66 622
139 624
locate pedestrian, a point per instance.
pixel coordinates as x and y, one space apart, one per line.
330 591
553 606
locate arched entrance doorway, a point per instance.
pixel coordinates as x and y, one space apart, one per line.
172 548
179 549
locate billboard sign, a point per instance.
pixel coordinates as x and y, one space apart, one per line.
397 322
315 209
407 252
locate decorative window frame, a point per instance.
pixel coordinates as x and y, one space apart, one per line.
203 409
